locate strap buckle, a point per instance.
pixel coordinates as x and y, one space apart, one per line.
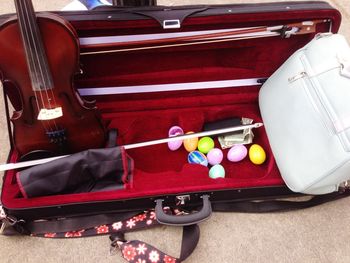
7 220
3 219
344 186
117 240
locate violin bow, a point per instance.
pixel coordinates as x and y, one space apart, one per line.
285 31
12 166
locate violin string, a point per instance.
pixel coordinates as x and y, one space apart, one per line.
26 40
36 42
31 42
43 82
44 67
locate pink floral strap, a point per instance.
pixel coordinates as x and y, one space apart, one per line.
142 220
136 251
139 252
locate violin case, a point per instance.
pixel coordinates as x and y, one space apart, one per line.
144 103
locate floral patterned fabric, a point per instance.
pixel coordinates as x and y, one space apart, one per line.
139 252
133 251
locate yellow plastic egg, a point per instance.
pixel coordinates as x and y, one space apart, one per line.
257 154
190 144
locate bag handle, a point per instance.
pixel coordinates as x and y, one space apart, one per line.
183 220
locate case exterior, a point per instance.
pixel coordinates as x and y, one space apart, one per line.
160 14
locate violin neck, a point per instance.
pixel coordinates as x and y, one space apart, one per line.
36 58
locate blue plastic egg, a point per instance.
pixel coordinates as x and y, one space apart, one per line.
217 171
197 158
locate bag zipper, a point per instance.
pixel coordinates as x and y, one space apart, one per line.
313 91
319 105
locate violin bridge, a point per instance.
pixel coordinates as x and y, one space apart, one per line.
50 114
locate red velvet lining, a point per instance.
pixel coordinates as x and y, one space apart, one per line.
157 169
142 117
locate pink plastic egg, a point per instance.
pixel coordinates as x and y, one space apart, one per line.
175 131
237 153
215 156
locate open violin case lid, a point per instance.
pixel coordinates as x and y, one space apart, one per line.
145 80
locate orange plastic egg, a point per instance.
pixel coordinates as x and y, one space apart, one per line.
190 144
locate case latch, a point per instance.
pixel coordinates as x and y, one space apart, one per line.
181 199
173 23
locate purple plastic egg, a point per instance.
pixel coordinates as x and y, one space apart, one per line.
175 131
215 156
237 153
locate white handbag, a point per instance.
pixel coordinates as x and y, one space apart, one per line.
305 106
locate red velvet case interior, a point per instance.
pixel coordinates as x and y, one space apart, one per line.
148 116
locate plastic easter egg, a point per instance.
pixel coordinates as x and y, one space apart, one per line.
190 144
205 144
197 157
217 171
257 154
237 153
215 156
175 131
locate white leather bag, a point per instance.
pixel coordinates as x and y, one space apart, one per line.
305 106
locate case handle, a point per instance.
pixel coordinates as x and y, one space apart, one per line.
183 220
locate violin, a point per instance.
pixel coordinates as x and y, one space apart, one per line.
39 56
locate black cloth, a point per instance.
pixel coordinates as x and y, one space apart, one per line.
88 171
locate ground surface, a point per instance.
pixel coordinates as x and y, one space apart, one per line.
319 234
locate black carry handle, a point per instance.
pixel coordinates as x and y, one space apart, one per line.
183 220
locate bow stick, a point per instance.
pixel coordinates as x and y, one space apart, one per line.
11 166
305 27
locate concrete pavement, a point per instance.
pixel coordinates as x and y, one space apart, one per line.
316 235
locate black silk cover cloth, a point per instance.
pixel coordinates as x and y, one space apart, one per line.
88 171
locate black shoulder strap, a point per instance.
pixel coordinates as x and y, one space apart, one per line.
269 206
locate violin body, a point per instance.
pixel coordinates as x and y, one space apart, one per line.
80 125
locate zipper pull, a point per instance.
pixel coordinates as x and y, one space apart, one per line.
345 68
298 76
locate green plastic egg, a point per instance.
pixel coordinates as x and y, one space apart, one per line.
205 144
